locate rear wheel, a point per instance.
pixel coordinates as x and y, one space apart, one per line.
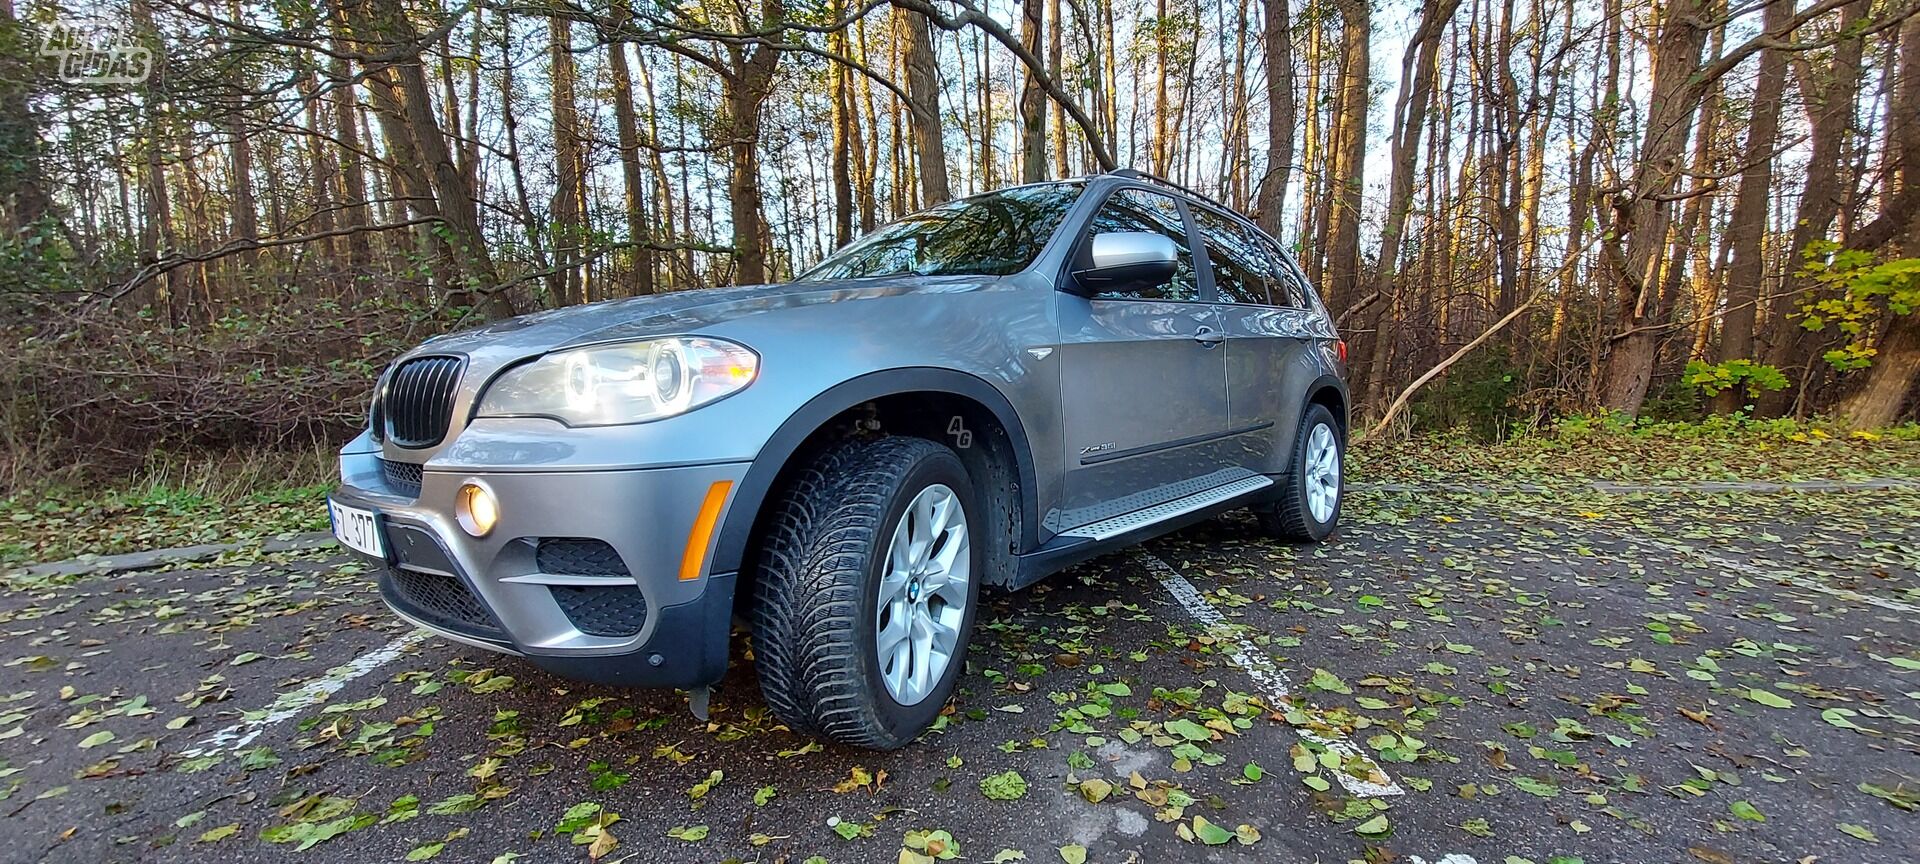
866 591
1308 506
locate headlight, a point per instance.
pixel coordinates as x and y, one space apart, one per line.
631 382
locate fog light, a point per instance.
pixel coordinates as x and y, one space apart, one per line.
476 509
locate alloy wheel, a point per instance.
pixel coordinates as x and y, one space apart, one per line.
1321 473
923 594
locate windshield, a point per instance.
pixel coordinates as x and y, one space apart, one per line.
986 235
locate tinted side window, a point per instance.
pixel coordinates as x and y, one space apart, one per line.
1140 210
1240 272
1291 287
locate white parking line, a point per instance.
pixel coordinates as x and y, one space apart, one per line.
1271 680
292 702
1788 577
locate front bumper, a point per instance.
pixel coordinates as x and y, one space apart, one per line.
581 574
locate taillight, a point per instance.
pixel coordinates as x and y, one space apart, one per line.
1340 348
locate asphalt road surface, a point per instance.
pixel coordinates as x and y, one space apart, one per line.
1459 676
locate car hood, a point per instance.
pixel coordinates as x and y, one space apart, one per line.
672 313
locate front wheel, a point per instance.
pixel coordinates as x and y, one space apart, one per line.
1308 506
866 591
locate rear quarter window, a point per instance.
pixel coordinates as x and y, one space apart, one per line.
1241 271
1253 252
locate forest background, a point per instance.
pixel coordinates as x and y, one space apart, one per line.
215 231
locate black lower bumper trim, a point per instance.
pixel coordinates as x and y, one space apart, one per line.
439 601
688 647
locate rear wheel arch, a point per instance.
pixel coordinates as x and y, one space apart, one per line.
1291 513
920 401
1332 392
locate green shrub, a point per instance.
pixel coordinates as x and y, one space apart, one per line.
1475 396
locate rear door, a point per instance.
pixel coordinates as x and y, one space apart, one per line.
1265 313
1143 377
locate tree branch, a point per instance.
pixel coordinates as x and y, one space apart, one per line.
972 15
236 247
1400 401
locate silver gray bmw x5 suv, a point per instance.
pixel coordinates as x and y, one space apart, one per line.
974 396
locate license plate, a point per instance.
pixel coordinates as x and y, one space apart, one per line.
356 529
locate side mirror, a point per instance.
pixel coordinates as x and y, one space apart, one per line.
1121 261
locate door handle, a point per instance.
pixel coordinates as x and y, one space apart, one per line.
1208 338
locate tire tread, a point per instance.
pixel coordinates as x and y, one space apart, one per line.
1287 516
811 578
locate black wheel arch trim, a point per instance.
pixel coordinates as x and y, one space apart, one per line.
750 493
1324 382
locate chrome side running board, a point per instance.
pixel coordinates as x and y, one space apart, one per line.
1121 524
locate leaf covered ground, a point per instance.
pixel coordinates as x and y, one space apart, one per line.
1598 449
1546 670
65 523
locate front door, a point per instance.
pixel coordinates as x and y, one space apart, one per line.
1143 378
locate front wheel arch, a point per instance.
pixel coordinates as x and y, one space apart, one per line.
751 494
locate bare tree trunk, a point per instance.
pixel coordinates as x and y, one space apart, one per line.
1748 224
1184 130
842 163
627 126
567 215
1160 154
866 146
1233 161
905 197
1271 199
1644 214
1313 233
1502 173
1062 166
532 223
745 92
158 236
841 169
244 212
1896 365
1893 375
663 184
1580 203
1417 70
1899 203
1538 121
1033 99
353 180
1829 95
1350 150
923 90
409 105
409 189
321 171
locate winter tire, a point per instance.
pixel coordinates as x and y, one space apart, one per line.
868 581
1308 506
